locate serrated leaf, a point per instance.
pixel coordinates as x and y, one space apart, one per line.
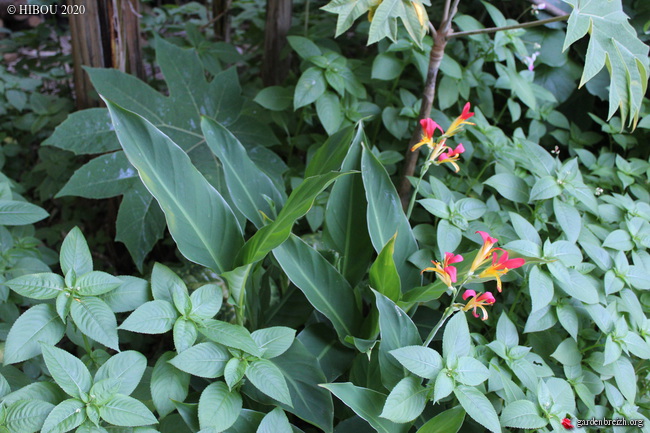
19 213
274 341
230 335
96 283
37 286
96 320
203 360
127 367
219 407
75 253
153 317
406 401
126 411
268 378
478 407
39 324
275 422
27 416
310 86
105 176
522 414
184 333
422 361
68 371
68 415
206 301
449 421
167 384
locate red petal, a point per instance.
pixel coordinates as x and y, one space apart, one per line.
468 294
466 113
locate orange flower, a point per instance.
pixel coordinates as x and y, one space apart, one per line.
446 273
500 266
484 253
478 301
428 129
452 156
460 121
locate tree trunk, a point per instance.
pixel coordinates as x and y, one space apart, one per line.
221 19
278 22
107 35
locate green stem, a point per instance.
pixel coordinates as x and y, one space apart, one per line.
423 171
449 311
87 346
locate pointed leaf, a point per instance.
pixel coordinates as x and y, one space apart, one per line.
219 407
168 384
126 411
68 371
96 320
203 360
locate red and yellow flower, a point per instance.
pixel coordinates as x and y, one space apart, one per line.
500 266
484 253
428 129
460 121
446 273
452 156
478 302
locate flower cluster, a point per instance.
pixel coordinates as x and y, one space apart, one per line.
500 266
440 152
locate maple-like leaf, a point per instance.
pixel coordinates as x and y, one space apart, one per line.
613 43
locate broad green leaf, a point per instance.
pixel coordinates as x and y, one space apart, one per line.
625 377
331 154
75 253
366 403
383 273
297 205
522 414
406 401
471 371
247 184
449 421
154 317
569 219
274 98
219 407
310 86
165 282
43 391
268 378
203 360
275 422
347 11
304 47
189 412
104 390
345 215
422 361
96 283
386 67
397 330
105 176
234 371
96 320
140 223
68 371
37 286
85 132
89 427
456 340
132 293
478 407
167 384
126 411
510 186
65 417
385 217
230 335
546 187
329 111
39 324
127 367
206 301
613 43
199 219
27 416
184 333
540 286
321 283
506 331
274 341
18 213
